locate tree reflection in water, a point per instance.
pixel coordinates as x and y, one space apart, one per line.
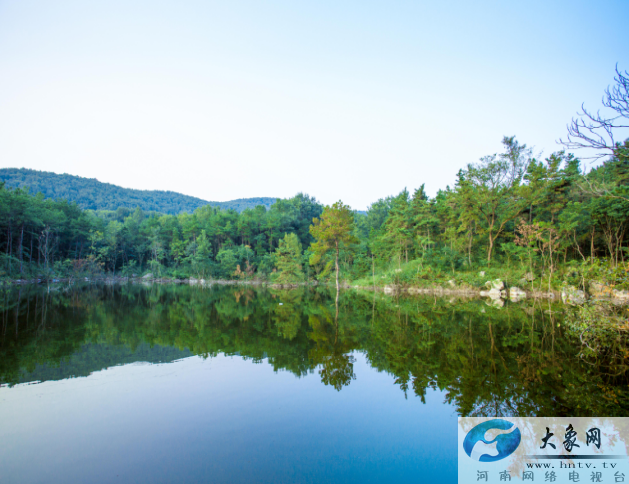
516 360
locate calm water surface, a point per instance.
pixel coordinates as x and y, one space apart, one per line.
166 384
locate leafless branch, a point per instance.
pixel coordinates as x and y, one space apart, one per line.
596 131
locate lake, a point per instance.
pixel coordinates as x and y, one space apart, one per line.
236 384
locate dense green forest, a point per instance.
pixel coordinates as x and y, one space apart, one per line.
89 193
509 215
511 211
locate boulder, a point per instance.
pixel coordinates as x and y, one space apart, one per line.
529 277
390 289
495 303
452 283
598 289
481 273
572 295
496 284
601 290
516 294
492 294
148 276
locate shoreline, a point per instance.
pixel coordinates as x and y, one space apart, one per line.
572 297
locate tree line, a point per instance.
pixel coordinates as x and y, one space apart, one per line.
509 210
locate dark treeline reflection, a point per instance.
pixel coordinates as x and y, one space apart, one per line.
516 360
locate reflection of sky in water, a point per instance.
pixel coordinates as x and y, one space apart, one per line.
223 420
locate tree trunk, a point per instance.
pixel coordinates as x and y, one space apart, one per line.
336 315
336 260
17 311
491 222
469 249
19 249
373 272
10 246
7 249
490 249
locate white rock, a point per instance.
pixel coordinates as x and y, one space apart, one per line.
492 294
495 303
496 284
516 294
572 295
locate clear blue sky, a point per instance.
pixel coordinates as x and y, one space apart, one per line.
349 100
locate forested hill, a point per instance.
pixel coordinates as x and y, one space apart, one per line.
89 193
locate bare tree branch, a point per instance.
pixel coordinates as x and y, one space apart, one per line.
596 131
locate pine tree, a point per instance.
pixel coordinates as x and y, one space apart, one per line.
288 260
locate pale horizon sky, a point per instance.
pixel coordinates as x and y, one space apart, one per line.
341 100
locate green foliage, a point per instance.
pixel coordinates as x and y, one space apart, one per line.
510 214
603 331
333 231
288 260
227 262
38 237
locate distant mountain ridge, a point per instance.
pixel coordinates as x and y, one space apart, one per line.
91 194
92 357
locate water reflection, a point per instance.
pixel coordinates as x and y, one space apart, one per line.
515 360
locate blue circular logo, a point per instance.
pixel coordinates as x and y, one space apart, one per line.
502 445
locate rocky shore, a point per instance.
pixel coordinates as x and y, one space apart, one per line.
496 292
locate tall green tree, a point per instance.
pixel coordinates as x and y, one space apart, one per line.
489 190
288 260
331 231
397 233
